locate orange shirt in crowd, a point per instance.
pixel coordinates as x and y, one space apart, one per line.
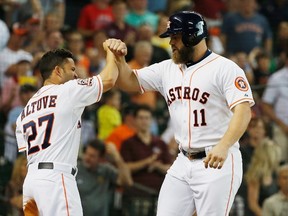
119 134
148 98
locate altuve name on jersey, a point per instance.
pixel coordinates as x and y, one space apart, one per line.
188 94
42 103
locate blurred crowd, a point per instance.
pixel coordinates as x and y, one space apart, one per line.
134 128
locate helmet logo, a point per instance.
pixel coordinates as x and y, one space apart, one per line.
199 26
168 24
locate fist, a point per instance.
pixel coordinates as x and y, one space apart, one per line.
116 46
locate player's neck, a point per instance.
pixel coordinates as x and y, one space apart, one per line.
50 82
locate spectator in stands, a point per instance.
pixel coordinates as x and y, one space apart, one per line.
11 150
162 42
147 156
96 54
246 29
262 71
148 159
139 14
126 129
4 34
275 11
14 193
256 134
145 33
119 28
277 204
261 175
210 9
96 179
35 37
54 40
75 44
13 52
108 115
57 6
51 22
142 58
94 17
275 103
281 46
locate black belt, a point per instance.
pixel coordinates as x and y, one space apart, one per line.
50 165
194 155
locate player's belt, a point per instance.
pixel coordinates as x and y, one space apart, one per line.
50 165
194 155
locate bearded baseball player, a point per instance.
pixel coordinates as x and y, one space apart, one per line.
209 101
49 129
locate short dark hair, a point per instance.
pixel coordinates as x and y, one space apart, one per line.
51 59
97 145
142 107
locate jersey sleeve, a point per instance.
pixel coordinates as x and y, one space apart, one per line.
235 86
84 92
20 137
150 78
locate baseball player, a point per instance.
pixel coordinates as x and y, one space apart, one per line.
48 129
209 101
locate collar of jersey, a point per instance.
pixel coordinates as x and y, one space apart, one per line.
191 63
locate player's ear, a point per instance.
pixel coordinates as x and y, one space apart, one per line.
58 70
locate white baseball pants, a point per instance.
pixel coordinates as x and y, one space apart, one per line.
189 187
51 192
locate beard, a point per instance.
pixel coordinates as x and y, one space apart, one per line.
183 55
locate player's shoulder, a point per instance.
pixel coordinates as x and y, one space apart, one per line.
225 62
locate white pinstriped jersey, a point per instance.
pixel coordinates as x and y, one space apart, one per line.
199 98
50 125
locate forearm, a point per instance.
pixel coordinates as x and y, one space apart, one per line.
127 80
110 72
135 166
124 177
237 126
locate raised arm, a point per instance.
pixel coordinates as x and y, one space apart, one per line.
110 72
127 80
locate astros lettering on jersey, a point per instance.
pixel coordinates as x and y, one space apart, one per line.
44 138
198 97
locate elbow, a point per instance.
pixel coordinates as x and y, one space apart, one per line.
108 84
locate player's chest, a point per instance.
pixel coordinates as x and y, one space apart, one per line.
190 85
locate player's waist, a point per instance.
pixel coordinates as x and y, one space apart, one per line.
66 168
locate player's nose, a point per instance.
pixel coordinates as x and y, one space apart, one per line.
75 75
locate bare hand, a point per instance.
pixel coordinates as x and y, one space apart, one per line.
216 157
116 46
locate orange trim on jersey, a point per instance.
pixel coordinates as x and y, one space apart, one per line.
231 185
65 194
242 99
20 149
136 73
189 125
99 93
182 82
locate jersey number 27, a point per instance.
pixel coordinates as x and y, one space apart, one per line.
33 125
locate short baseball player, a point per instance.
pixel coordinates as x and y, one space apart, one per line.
209 101
48 129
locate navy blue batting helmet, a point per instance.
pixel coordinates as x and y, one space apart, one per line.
191 24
